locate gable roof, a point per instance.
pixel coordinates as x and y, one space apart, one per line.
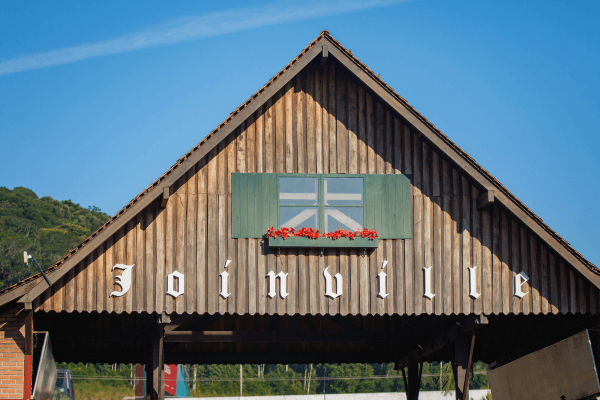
30 288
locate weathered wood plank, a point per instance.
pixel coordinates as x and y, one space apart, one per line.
362 132
170 234
583 290
380 139
370 122
354 302
314 278
280 149
344 260
260 134
311 144
342 124
303 285
225 253
515 266
129 260
447 237
151 290
456 243
418 221
252 277
390 279
554 300
109 263
379 258
289 128
496 260
318 110
353 158
332 118
325 117
477 250
389 143
363 271
545 284
535 284
408 243
487 261
300 116
291 302
334 268
505 261
214 269
465 231
101 283
191 262
524 262
269 137
238 280
140 265
121 241
563 286
201 273
437 271
180 240
572 289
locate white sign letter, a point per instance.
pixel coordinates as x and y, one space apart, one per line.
427 273
282 284
224 282
381 276
520 280
473 283
329 284
123 280
171 284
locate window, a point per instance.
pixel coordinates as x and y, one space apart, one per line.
325 202
341 207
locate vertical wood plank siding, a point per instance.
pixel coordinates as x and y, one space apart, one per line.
324 122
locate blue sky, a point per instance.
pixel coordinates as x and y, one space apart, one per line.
98 99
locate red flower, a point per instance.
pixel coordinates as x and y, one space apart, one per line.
315 233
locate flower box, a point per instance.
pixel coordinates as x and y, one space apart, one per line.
358 242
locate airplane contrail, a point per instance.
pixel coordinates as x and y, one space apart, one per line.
192 28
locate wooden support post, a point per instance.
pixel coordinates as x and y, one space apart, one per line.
165 199
485 200
158 363
27 374
413 382
149 378
463 355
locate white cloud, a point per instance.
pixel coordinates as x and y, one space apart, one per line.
192 28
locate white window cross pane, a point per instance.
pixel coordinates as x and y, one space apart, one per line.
300 218
344 196
342 218
298 196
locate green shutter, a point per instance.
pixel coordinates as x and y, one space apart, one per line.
387 205
253 204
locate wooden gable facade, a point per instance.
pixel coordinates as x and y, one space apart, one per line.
325 113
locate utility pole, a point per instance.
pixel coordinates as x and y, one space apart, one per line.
241 380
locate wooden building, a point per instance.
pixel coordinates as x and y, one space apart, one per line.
324 144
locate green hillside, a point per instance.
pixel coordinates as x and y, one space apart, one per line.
44 227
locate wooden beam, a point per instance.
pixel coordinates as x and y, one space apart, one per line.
188 357
461 351
165 198
99 335
285 336
184 165
485 200
441 341
158 362
324 56
465 390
